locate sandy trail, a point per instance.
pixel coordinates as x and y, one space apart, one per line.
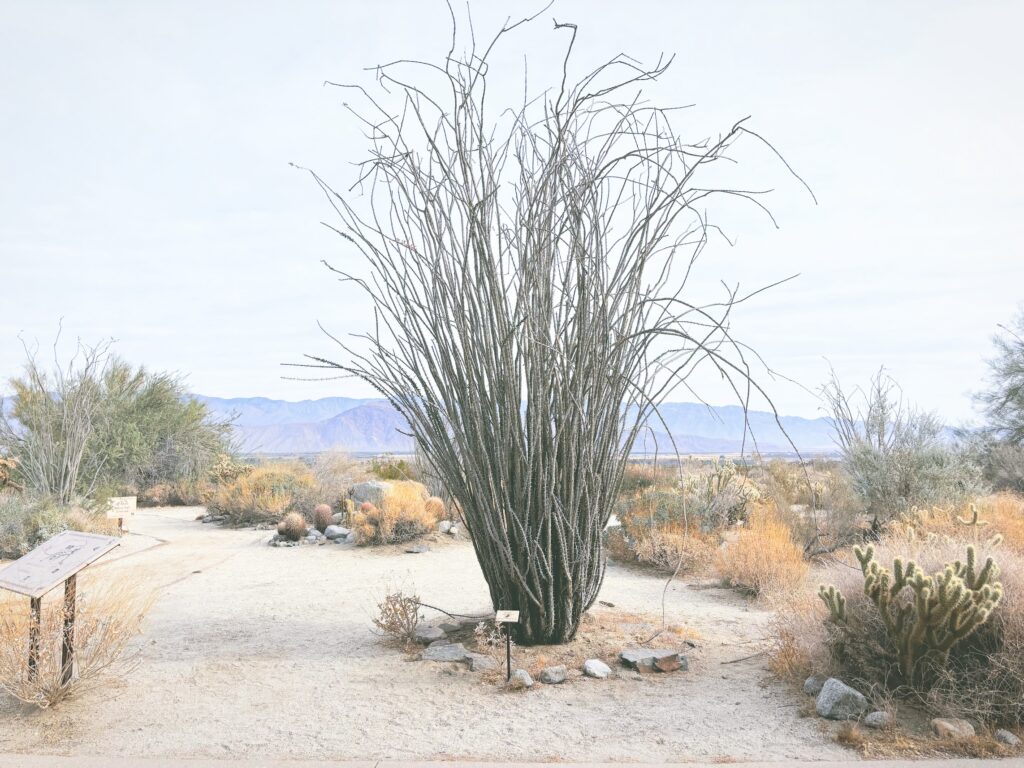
256 651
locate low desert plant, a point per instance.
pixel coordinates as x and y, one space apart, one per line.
27 520
265 494
323 516
404 513
293 527
392 468
397 617
982 675
109 615
764 558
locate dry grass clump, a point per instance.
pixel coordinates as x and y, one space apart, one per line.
997 515
403 514
691 553
398 615
764 558
109 615
265 494
181 493
293 527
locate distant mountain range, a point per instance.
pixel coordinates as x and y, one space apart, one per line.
373 426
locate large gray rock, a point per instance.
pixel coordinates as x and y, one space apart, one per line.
425 635
813 684
596 668
351 538
452 652
554 675
480 663
877 720
653 659
520 680
952 728
1003 736
372 491
838 701
333 532
444 526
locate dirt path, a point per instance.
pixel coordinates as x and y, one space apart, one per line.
252 651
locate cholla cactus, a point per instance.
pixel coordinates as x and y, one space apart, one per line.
945 607
972 521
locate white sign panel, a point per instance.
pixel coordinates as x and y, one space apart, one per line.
121 507
506 617
54 561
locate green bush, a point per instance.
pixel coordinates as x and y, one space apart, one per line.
26 521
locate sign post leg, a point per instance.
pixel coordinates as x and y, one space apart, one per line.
67 654
508 653
36 612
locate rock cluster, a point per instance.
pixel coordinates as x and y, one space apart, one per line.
334 533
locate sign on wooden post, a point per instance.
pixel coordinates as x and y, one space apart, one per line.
507 617
121 507
54 561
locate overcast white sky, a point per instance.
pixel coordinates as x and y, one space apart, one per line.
146 193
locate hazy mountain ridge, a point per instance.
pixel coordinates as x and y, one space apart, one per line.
372 425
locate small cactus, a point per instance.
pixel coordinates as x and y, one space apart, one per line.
322 517
293 527
946 607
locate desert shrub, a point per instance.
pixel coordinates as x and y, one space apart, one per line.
897 457
322 517
764 558
226 469
434 507
293 527
391 468
982 676
8 469
397 617
109 615
265 494
334 472
27 520
403 514
683 553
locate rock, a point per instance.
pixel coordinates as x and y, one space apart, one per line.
351 538
647 659
442 641
596 668
338 518
450 652
425 635
1003 736
450 626
520 680
480 663
371 491
417 549
838 701
553 675
454 530
952 728
444 526
813 684
333 532
878 720
314 534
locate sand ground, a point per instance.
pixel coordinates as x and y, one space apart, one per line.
253 651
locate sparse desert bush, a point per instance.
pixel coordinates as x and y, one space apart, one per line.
322 517
334 472
293 527
682 553
8 469
397 617
764 558
896 456
982 675
434 507
109 615
403 514
265 494
226 469
27 520
391 468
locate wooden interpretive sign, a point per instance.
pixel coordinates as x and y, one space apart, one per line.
121 507
54 561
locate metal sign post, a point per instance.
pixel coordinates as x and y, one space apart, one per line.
55 561
504 618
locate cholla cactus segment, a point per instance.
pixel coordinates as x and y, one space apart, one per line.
834 601
973 520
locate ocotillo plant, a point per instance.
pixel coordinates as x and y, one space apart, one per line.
940 610
527 267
